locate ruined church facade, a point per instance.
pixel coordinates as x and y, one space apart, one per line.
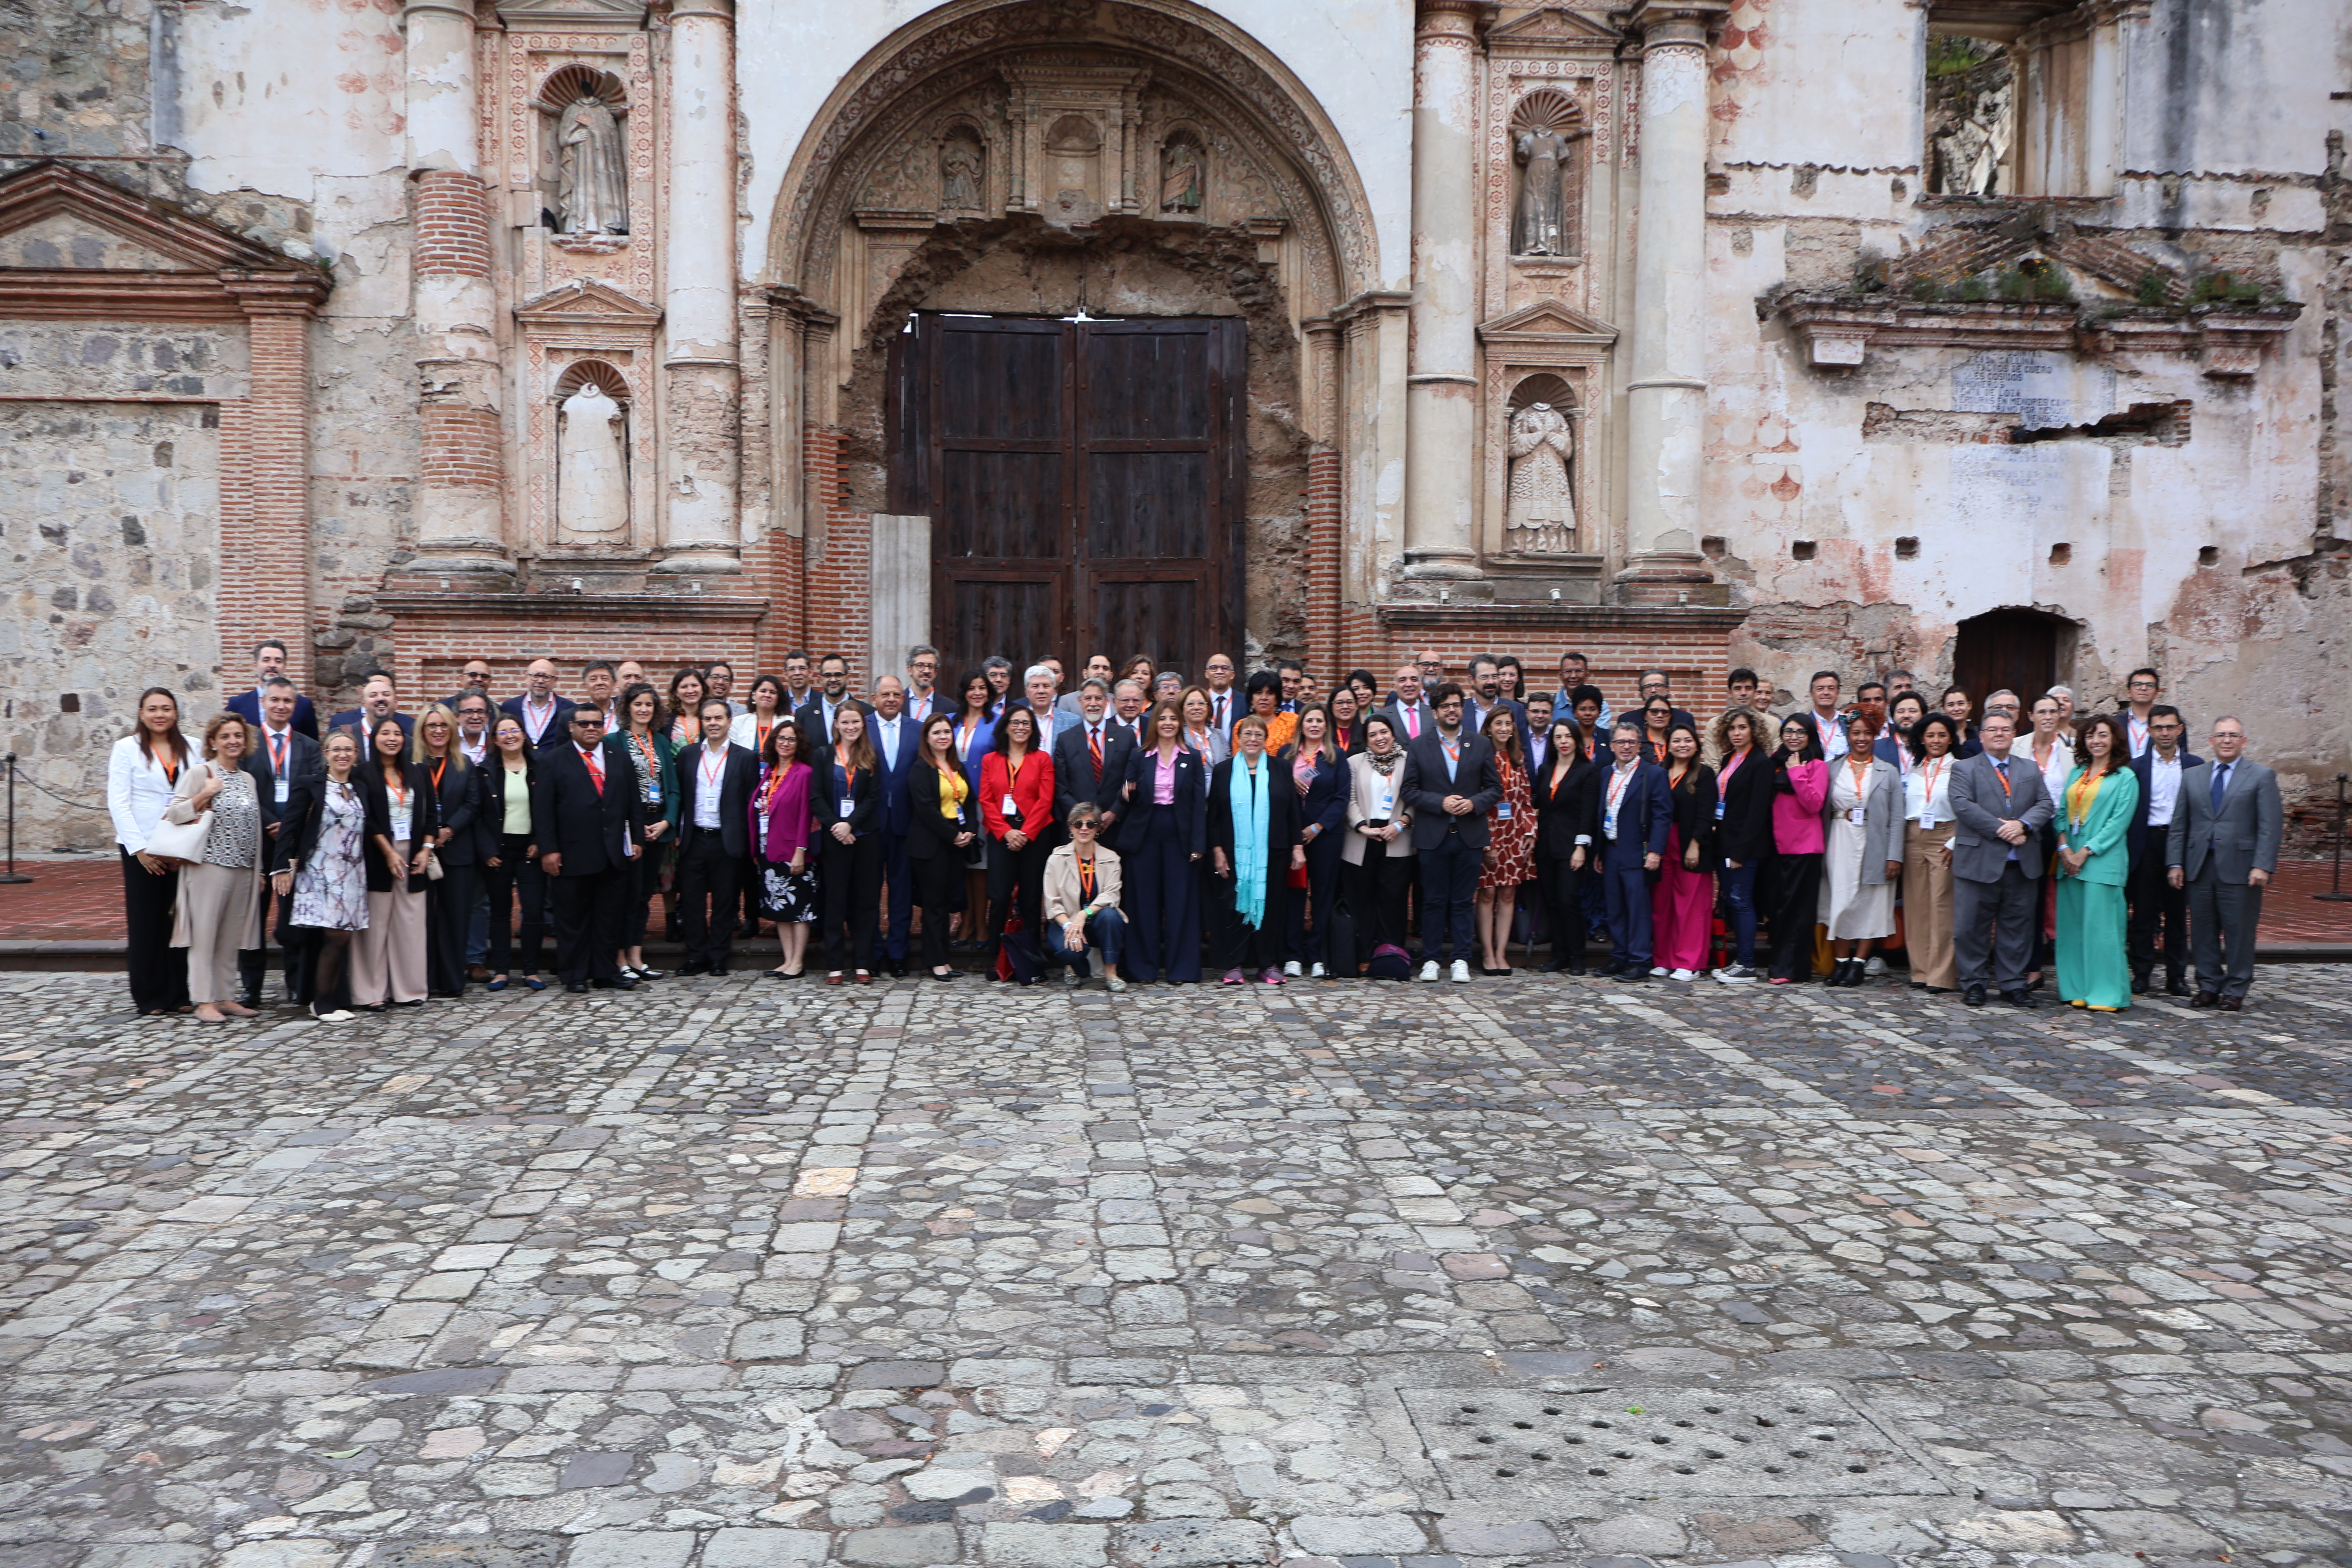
1997 340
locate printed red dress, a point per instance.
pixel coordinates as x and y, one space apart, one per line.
1513 835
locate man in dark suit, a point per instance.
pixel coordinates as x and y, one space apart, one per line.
2224 849
1090 758
1485 695
2157 906
585 819
1225 700
1999 805
1408 709
378 701
715 781
546 717
1658 683
477 676
269 664
833 690
895 738
1450 783
1633 812
281 760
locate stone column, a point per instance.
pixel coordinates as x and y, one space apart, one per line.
1442 379
701 370
1665 403
461 476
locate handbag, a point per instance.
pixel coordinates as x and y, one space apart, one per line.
432 866
181 840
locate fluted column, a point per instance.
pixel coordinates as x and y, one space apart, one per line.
1442 375
461 476
1665 404
701 368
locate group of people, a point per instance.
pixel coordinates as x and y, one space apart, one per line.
1161 829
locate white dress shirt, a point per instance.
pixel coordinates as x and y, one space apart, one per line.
710 771
2163 789
1928 792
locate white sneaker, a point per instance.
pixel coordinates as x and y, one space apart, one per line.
1460 971
1291 969
1429 970
1742 977
1660 974
1114 982
1073 979
1684 975
1873 965
1318 973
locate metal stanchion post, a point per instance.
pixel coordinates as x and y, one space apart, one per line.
11 876
2335 894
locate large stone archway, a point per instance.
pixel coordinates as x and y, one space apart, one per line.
1137 158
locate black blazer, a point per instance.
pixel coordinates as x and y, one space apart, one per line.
1561 813
1745 833
1325 803
424 820
815 736
1694 812
1281 816
2136 843
740 777
1074 770
558 728
458 802
865 800
246 704
929 834
1191 805
490 810
1426 786
355 721
590 831
306 814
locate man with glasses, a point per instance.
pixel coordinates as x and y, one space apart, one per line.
587 823
1226 704
816 720
474 680
2157 906
1450 782
2141 689
922 676
2224 849
1633 812
1999 806
546 719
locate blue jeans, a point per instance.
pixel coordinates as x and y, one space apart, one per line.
1449 892
1106 933
1739 897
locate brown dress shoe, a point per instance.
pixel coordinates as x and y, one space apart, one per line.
2233 1003
2204 999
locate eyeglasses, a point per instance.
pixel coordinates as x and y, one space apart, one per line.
1082 827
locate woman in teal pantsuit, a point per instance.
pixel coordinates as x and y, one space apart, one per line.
2102 794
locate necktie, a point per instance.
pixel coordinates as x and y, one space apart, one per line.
1413 720
1094 746
1221 712
2221 784
595 770
277 756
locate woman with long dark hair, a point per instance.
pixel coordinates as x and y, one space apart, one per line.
1320 774
511 868
943 824
1016 803
655 762
449 898
2094 964
784 825
1934 749
1560 796
1345 710
975 737
388 957
141 772
1657 719
848 813
1800 781
1743 831
1682 905
686 689
1510 858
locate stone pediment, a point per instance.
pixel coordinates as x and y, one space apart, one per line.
1554 26
565 15
586 301
76 247
1548 321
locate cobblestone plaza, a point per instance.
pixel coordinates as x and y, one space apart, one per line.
747 1275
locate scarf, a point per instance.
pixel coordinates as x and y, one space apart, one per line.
1386 765
1250 838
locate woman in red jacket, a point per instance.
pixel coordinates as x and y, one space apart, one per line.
1016 802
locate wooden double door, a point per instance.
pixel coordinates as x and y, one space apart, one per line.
1084 484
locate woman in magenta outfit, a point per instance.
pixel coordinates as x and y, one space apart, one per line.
1682 906
781 826
1800 781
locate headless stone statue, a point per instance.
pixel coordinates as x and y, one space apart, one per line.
1540 228
594 195
1541 515
592 485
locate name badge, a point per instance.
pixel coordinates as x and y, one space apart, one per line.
1718 810
1388 804
847 807
401 815
1010 809
1926 819
284 788
1856 815
1502 811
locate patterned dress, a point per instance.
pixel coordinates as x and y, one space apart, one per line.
785 898
1513 837
330 889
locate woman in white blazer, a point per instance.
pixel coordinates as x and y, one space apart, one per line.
750 730
1862 858
1377 873
140 774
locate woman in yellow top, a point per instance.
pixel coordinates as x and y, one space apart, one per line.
2102 794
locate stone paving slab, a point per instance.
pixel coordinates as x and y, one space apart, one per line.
726 1274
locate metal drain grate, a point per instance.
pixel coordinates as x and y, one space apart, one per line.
1769 1442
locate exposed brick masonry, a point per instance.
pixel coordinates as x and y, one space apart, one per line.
453 223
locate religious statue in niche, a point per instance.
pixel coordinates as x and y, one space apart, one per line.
1182 178
1541 515
964 171
1540 226
1969 156
591 477
592 189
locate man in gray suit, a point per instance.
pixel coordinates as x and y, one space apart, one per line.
1408 708
2224 847
1999 805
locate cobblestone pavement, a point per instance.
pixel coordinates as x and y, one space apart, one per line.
746 1275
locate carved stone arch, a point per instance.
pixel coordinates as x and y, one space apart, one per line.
580 373
567 83
1548 108
1545 386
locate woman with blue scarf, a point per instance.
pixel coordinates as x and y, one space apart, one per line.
1253 845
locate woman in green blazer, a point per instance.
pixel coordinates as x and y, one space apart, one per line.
645 740
2102 794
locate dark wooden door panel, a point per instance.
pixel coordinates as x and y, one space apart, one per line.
1147 381
1140 505
1003 506
1018 617
2011 649
1159 617
1000 380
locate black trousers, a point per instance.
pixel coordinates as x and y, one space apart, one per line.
588 923
2159 915
644 882
158 970
938 887
1377 891
1246 947
1563 886
851 879
448 916
708 895
1311 918
514 875
1016 884
1796 910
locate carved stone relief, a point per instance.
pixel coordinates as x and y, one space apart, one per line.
592 468
1540 515
963 172
538 129
1183 174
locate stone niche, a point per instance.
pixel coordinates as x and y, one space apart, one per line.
1550 354
587 334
